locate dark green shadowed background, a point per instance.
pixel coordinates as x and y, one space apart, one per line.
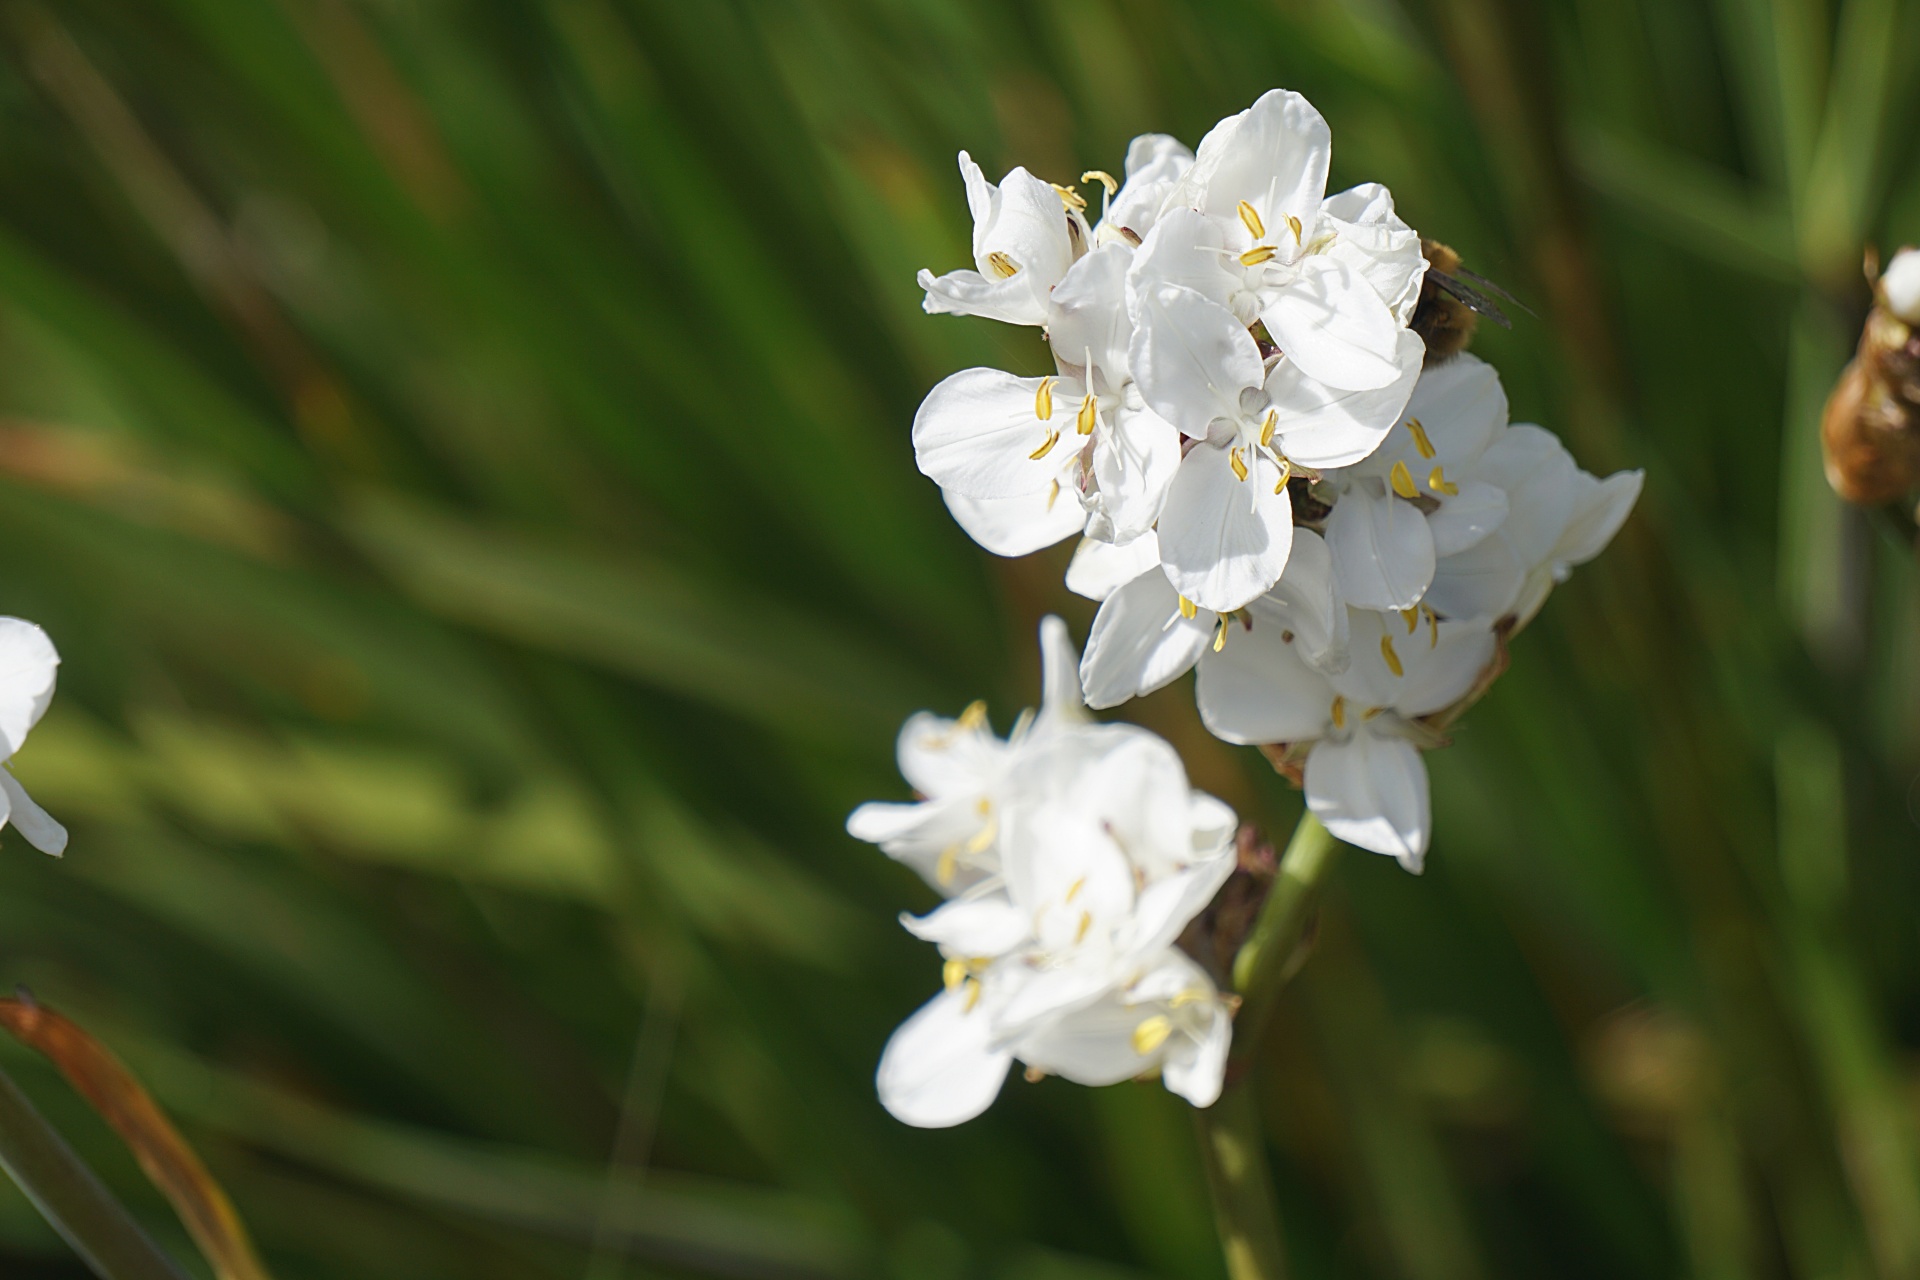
460 448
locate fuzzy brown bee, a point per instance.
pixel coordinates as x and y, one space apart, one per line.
1870 432
1449 309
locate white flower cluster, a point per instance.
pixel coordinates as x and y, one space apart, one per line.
1071 854
27 666
1241 428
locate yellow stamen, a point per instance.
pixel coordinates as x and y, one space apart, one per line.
1438 482
1339 711
1043 399
1102 177
954 974
1393 659
1293 225
1220 633
949 862
1086 923
1371 712
1267 425
1252 219
972 718
1153 1032
983 806
1053 491
1073 890
1069 197
1002 265
1192 995
1433 628
1089 414
1053 438
1411 616
984 836
1420 440
1238 463
1257 255
1187 608
973 995
1286 474
1400 478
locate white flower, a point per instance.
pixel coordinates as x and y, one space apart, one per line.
1360 727
1900 285
1227 522
1144 638
1059 929
1025 236
1155 164
1333 280
1418 496
28 662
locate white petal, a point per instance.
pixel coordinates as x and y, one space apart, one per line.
1273 155
1169 904
1140 642
1087 322
968 293
1198 1074
1191 358
1159 157
27 666
1542 485
1466 517
1333 325
1186 249
940 1068
1484 581
1134 460
979 927
1382 552
1061 703
1321 426
1601 507
1463 408
977 430
1224 540
1099 569
940 757
1307 602
1018 526
1371 791
1437 664
1092 1045
1029 225
1259 688
1374 241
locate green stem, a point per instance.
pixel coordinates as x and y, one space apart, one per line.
70 1198
1232 1141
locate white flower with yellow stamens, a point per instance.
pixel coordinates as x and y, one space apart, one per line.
1360 729
28 663
1026 233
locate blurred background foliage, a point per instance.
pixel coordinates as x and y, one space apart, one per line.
461 450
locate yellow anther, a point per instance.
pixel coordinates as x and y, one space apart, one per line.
1286 474
1053 492
1002 265
1438 482
983 806
973 995
1400 478
973 717
1153 1032
1257 255
1393 659
1220 633
1255 227
1073 890
1293 225
1043 399
1420 440
954 974
1053 438
1069 197
1192 995
1187 608
1411 616
1089 414
1102 177
1372 712
1238 463
1086 923
984 836
1267 426
949 862
1339 711
1433 628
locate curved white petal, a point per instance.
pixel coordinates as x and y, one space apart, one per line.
977 431
968 293
1087 321
28 663
1600 508
1371 791
1333 325
1140 642
1134 460
1375 242
1306 602
1018 526
1273 155
1197 1073
1061 703
1225 540
989 926
1260 688
1184 249
1099 569
1484 581
1322 426
940 1068
1191 358
1463 408
1467 516
1028 224
1437 664
1382 552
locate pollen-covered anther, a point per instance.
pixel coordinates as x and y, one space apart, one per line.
1392 658
1293 225
1420 439
1433 626
1073 890
1086 923
1372 713
1238 463
947 864
1220 632
980 839
1053 493
973 995
1043 399
1400 478
1002 265
1286 474
1255 227
1152 1032
1102 177
954 974
1046 446
1188 609
1257 255
1267 426
1192 995
1411 616
1438 482
1339 711
1069 197
1088 416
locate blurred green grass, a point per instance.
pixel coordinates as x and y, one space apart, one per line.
460 447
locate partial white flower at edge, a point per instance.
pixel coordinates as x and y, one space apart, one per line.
28 663
1059 945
